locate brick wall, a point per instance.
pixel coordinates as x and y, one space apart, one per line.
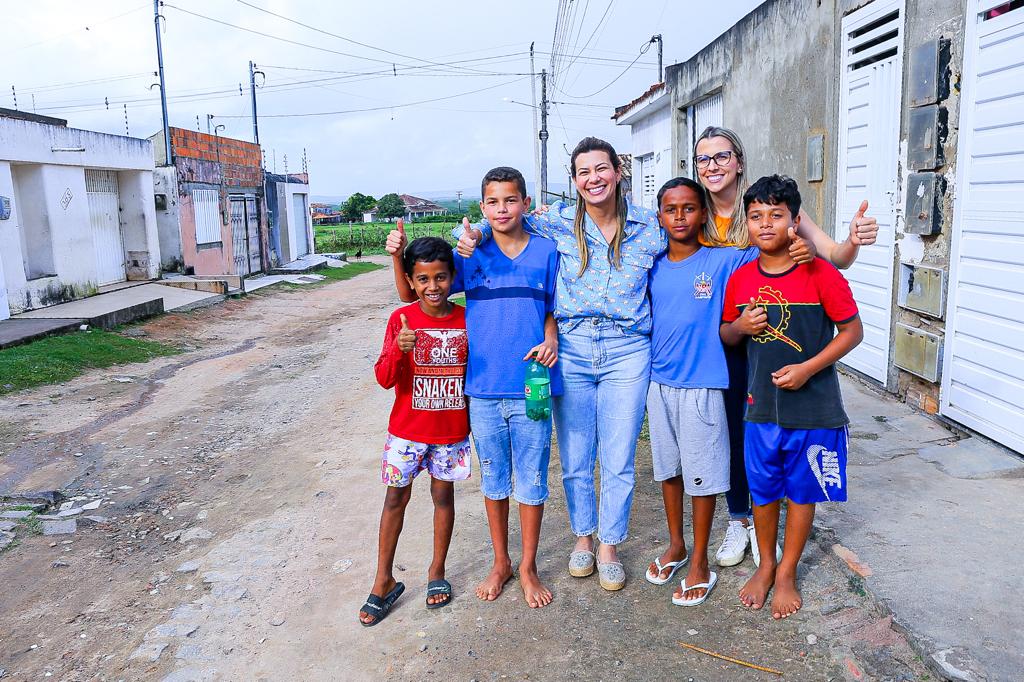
240 161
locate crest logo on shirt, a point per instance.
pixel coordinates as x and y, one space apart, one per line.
825 467
770 298
702 286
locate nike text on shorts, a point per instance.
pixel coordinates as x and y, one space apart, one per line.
803 465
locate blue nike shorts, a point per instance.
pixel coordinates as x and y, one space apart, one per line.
803 465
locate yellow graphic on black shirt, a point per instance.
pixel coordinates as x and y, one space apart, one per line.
768 296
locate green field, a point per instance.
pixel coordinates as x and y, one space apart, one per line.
370 237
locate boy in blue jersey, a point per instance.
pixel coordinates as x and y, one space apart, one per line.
685 406
510 294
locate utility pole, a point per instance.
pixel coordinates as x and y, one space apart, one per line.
657 39
209 123
252 89
14 94
543 135
536 135
163 85
458 194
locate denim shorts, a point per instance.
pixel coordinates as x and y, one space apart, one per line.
514 451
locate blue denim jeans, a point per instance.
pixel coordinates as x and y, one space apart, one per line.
508 443
605 372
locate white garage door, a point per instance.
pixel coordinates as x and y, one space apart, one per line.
101 193
869 120
983 371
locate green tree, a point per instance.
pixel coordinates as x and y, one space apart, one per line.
474 212
356 205
390 206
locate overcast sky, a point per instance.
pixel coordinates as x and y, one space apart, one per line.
471 58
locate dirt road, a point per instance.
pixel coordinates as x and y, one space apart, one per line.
241 492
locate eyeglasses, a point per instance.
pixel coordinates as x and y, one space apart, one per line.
720 159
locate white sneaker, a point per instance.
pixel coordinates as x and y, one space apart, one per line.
755 552
734 546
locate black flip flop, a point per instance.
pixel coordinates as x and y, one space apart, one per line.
436 587
379 607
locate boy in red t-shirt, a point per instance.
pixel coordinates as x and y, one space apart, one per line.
424 359
795 438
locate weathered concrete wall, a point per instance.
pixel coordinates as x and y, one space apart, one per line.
927 21
138 224
165 182
30 142
776 71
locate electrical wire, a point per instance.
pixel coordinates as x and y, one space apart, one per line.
389 106
643 50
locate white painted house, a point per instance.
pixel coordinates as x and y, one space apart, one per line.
650 120
77 211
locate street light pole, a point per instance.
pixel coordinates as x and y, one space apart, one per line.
543 136
657 38
252 89
163 87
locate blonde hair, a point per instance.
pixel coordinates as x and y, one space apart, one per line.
737 233
593 144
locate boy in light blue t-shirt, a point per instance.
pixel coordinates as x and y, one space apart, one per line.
509 283
685 407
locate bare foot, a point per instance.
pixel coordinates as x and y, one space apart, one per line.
786 600
533 590
670 555
699 574
755 592
380 589
495 581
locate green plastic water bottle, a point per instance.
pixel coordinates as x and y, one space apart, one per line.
537 391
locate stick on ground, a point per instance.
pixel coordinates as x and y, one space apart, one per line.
730 659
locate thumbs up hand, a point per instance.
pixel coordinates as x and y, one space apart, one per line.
406 339
801 250
753 320
863 228
396 241
468 241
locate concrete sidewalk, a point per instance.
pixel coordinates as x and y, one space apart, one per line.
174 299
933 524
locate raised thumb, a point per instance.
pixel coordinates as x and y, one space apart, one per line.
405 323
400 226
465 225
862 210
792 233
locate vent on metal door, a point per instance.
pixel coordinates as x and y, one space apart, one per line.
100 181
875 41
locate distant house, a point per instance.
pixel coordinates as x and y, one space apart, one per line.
211 210
415 207
288 210
325 214
76 211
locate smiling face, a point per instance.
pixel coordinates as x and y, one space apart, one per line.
768 225
681 214
504 206
432 283
719 173
596 178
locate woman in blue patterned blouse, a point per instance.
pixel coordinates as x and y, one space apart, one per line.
604 324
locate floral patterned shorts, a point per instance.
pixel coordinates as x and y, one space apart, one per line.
404 459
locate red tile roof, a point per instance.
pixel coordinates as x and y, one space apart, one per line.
626 108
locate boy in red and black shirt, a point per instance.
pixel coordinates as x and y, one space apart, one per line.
424 359
795 437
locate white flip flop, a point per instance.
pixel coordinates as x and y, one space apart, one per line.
674 565
709 585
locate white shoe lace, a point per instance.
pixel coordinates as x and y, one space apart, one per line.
735 537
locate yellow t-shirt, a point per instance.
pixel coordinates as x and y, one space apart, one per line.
722 225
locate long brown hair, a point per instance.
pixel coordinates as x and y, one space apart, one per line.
737 233
593 144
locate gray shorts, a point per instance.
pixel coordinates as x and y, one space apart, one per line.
689 437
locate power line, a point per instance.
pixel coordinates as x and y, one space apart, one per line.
63 35
385 107
340 37
643 51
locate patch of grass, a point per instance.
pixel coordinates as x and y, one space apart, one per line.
20 507
55 359
331 275
459 299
